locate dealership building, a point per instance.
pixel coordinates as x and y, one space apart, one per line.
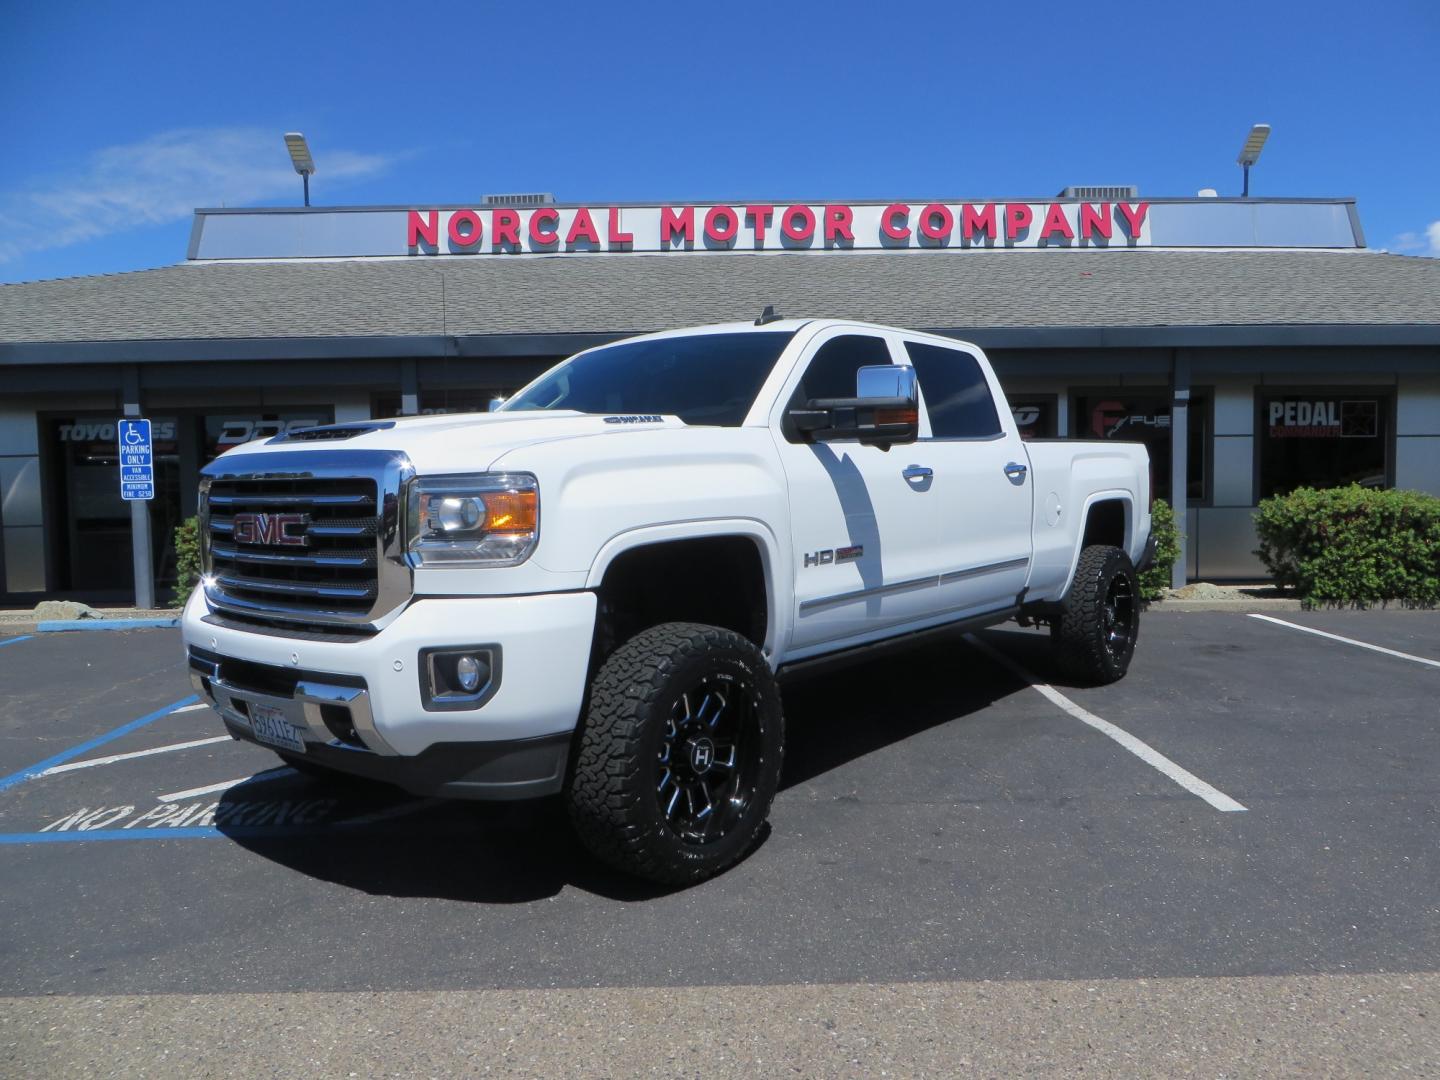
1254 345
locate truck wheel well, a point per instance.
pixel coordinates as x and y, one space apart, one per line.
718 580
1105 524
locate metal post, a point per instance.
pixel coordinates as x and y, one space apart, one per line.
1179 460
139 509
409 388
1244 194
306 178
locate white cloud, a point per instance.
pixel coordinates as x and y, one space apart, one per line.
1426 242
162 179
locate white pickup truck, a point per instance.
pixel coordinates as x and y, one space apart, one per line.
591 591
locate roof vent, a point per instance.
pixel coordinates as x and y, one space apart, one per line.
534 198
1101 193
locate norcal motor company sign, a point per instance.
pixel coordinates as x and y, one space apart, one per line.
774 227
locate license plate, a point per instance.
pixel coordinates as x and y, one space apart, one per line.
270 727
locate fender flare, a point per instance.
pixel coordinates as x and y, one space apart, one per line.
1121 495
777 607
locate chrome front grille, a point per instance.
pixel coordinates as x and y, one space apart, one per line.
307 537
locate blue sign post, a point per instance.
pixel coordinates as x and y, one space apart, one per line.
137 460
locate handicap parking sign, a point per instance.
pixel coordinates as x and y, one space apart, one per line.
137 460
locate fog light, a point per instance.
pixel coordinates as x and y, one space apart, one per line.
469 672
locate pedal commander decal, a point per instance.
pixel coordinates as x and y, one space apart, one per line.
634 419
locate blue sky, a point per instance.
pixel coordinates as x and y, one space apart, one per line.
120 118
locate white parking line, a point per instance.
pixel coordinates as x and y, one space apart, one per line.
1146 753
192 708
1348 641
268 774
70 767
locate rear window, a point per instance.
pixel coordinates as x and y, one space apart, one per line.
956 394
709 379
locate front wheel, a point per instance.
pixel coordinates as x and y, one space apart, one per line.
1099 621
679 755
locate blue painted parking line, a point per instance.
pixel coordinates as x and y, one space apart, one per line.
106 624
100 740
14 640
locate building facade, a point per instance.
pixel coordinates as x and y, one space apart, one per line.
1253 345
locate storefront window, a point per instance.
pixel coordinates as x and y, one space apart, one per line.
1034 416
1323 440
229 429
90 549
439 402
1145 418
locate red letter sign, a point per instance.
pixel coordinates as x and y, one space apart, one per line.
1055 221
982 221
506 229
680 224
887 221
721 224
582 228
618 238
761 216
423 229
1095 222
464 239
540 236
928 227
1135 217
1018 216
837 224
804 230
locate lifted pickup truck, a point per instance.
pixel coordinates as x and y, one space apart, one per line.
591 591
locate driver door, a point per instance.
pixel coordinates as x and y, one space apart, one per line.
863 521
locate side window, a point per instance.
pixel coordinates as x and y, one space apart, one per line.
831 371
956 394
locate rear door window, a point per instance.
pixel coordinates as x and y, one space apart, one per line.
957 395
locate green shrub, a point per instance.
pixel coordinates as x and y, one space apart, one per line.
187 560
1165 529
1353 546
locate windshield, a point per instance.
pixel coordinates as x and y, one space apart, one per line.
701 378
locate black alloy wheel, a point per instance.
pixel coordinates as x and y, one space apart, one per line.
678 756
708 760
1095 632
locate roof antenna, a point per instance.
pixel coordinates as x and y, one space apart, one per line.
767 316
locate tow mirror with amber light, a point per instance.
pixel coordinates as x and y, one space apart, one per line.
884 412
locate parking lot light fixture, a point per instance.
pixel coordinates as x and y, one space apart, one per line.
301 158
1249 153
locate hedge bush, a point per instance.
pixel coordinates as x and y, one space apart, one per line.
187 560
1166 530
1353 546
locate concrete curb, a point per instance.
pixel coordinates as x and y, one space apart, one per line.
1243 606
105 624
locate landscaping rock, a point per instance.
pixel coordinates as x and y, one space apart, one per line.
64 610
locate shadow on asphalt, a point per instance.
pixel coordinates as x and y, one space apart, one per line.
512 853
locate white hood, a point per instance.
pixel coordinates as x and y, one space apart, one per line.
466 442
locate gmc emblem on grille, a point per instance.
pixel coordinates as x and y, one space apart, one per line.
282 530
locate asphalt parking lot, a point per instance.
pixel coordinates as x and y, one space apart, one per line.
1253 802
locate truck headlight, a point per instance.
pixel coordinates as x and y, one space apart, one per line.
490 519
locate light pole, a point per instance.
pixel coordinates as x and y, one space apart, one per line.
1249 153
300 158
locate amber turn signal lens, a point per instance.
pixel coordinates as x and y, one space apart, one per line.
897 416
511 511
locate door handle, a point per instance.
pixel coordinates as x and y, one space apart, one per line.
1015 473
918 472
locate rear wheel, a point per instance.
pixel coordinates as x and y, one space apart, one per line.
679 756
1099 622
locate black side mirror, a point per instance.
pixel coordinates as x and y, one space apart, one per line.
884 412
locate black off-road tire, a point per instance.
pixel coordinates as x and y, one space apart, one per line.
1093 641
617 783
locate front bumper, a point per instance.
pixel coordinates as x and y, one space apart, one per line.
361 699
